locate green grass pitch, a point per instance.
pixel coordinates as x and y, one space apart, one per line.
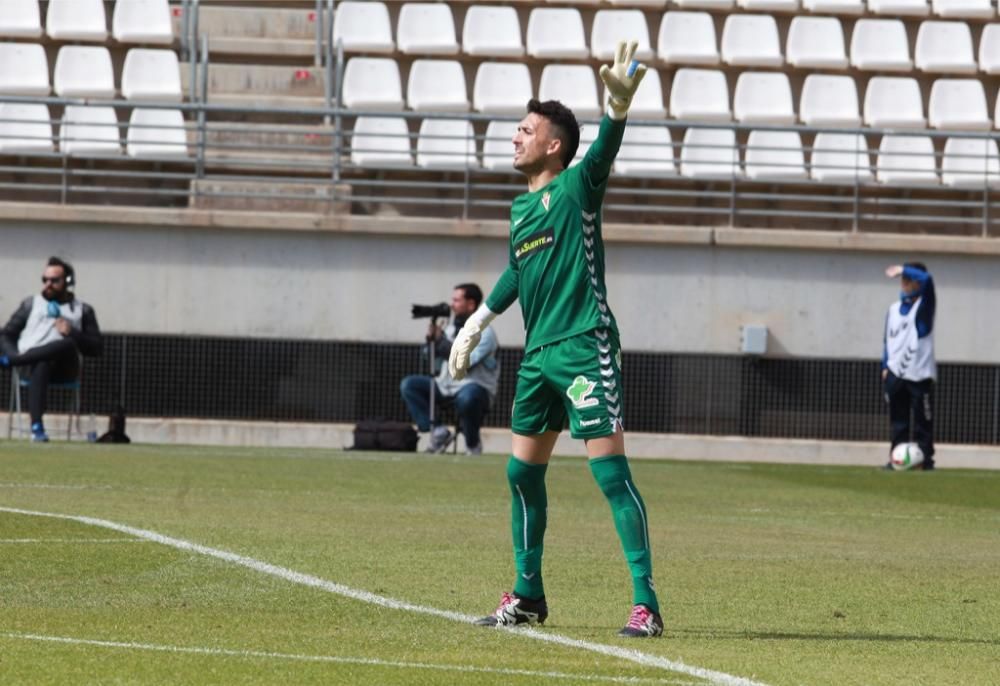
770 574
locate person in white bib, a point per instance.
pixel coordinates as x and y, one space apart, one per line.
908 366
46 336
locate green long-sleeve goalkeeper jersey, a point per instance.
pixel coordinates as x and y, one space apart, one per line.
556 266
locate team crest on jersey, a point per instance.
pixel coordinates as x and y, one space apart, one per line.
579 392
546 200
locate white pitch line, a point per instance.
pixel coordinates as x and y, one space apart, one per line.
339 659
631 655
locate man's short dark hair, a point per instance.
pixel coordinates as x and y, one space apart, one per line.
919 265
66 267
472 292
566 127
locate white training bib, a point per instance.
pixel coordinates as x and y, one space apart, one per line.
909 356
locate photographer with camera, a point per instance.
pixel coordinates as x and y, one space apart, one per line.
472 395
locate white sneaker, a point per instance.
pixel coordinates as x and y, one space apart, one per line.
440 438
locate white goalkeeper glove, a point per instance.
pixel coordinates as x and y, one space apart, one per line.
622 79
467 340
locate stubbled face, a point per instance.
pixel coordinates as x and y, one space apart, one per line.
53 283
460 305
534 142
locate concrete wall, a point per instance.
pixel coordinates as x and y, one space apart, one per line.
355 286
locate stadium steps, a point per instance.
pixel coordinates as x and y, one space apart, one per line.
274 148
267 31
267 196
261 85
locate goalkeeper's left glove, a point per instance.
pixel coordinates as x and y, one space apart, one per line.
467 340
622 79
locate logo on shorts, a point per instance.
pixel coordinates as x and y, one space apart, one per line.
591 422
579 392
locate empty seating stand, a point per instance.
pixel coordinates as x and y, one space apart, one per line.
646 151
880 45
493 31
142 21
611 26
426 29
381 142
20 19
150 74
437 85
446 144
687 38
372 83
363 27
763 98
25 128
501 87
24 69
700 94
945 47
76 20
751 40
816 42
556 32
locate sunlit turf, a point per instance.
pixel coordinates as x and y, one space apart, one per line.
783 574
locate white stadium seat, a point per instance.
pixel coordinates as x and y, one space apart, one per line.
381 142
816 42
24 69
966 9
372 83
502 88
647 103
834 6
646 151
573 85
493 31
142 21
774 155
880 45
894 102
989 49
640 3
446 144
912 8
24 128
498 150
839 158
82 20
751 40
611 26
970 163
763 98
769 5
151 75
829 100
705 4
437 85
945 47
20 19
710 154
556 32
88 130
426 28
906 160
363 27
958 104
156 133
700 94
83 72
687 38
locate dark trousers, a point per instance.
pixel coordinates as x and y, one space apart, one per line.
57 361
911 413
472 403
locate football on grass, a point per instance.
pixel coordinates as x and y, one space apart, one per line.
907 456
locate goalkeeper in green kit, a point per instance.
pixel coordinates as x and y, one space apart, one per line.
571 372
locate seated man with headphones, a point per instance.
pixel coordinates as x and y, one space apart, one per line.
47 334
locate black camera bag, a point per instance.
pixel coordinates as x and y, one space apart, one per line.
382 434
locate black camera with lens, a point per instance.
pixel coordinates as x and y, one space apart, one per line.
435 311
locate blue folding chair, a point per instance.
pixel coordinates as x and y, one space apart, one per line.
18 382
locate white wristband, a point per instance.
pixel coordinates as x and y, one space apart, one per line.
481 318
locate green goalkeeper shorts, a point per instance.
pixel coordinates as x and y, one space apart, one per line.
577 379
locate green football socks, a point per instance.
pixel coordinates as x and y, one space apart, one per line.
615 480
527 520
